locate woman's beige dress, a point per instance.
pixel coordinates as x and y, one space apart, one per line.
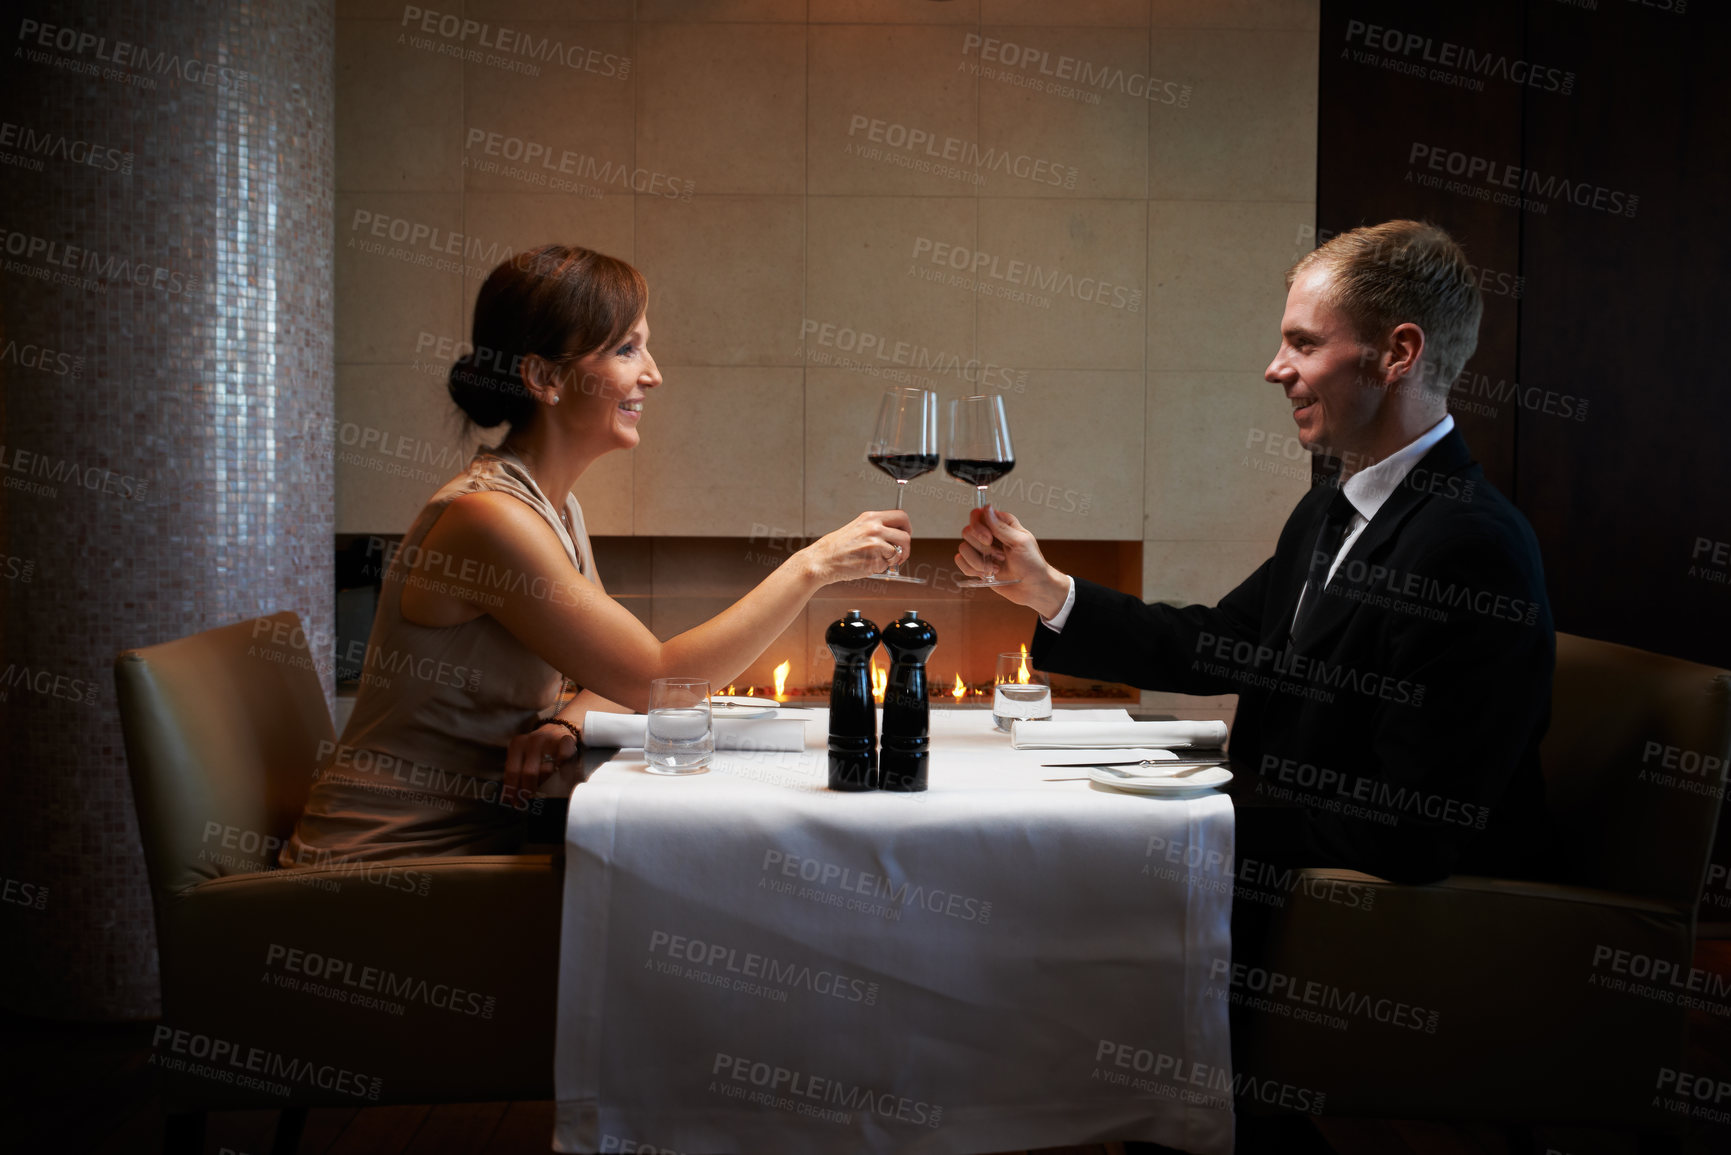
418 769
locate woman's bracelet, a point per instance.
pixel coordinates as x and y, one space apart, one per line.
575 732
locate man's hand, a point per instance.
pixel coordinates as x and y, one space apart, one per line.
994 542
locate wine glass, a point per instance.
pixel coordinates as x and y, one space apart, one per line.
905 446
979 453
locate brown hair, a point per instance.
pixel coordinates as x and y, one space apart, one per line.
1398 272
558 302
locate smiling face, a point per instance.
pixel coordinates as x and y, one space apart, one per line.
605 390
1327 373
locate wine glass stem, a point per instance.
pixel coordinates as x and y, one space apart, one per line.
895 569
900 486
980 503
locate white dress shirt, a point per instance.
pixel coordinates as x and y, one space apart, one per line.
1367 490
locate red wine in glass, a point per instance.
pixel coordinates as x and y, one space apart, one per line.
905 446
979 452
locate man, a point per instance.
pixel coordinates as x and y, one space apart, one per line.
1393 658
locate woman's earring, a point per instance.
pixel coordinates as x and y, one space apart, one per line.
554 400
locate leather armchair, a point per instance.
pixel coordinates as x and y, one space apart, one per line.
416 981
1523 977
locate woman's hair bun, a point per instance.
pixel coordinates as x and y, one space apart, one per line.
488 394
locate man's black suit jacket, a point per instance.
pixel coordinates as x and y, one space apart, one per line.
1399 731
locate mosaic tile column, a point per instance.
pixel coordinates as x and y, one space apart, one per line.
166 362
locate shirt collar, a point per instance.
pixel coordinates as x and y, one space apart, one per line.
1371 486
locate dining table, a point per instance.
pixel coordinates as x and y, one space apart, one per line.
1019 956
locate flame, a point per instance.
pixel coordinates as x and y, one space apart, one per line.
880 682
961 690
1022 675
728 693
781 673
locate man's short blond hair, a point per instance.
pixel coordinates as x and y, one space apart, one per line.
1399 272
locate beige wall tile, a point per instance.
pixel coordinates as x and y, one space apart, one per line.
860 253
388 301
720 452
1289 14
892 111
607 495
396 439
525 133
498 224
1217 275
399 112
894 12
1078 455
1082 262
1115 13
726 278
723 106
1189 572
1249 130
1035 107
792 11
1220 458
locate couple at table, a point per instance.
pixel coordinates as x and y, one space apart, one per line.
1392 660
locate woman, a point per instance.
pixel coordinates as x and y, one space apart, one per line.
492 607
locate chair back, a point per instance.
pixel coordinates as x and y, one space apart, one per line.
1635 762
223 733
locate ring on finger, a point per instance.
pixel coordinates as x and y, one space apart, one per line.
549 758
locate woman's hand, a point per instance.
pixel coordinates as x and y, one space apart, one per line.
532 757
868 544
996 543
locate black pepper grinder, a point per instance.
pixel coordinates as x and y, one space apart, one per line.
853 723
907 719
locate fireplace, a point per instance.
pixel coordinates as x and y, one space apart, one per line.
674 583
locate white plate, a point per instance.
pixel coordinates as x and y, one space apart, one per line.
1211 779
742 707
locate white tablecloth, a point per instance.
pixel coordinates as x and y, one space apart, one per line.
751 963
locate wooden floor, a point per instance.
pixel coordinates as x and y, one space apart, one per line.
81 1088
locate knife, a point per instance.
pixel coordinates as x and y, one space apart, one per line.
1174 763
1108 768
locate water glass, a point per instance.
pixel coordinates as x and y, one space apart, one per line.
1019 692
680 737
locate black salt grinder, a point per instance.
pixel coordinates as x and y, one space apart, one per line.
907 742
853 724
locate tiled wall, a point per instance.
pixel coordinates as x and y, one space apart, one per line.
1164 148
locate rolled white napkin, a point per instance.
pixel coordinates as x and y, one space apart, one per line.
628 731
1044 735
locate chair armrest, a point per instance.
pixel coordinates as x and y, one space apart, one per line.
436 979
1467 997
